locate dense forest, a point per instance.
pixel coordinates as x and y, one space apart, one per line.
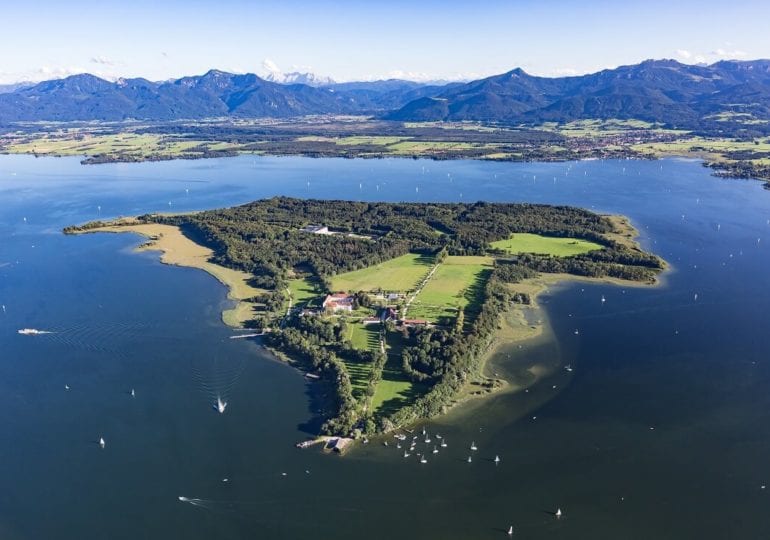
267 239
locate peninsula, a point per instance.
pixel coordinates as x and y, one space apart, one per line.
393 306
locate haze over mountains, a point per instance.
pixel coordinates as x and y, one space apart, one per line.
662 91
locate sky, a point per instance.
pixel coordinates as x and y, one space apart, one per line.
367 40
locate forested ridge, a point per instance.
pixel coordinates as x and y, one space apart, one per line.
265 237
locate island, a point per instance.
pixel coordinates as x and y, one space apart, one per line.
392 308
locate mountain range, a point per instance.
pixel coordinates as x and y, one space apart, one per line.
663 91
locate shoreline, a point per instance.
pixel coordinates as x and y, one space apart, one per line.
514 327
178 250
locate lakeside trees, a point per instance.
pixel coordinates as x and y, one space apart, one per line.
269 240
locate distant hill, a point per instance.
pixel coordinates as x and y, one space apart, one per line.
214 94
662 91
8 88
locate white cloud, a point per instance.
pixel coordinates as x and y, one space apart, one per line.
103 61
47 73
270 66
729 54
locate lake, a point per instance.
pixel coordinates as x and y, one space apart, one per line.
660 430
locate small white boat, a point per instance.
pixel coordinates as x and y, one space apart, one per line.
510 530
470 459
221 405
133 394
473 446
407 454
443 444
558 513
439 436
32 332
398 445
435 450
603 299
423 460
497 460
66 387
427 440
102 444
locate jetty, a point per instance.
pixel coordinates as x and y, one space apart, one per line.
253 334
333 444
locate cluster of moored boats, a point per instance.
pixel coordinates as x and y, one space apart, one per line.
410 445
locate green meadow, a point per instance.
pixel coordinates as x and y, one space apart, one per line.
454 285
400 274
544 245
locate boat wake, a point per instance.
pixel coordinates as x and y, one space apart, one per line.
200 503
101 337
217 378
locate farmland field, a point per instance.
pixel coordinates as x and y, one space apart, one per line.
450 288
400 274
545 245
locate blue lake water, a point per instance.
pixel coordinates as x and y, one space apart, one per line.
662 429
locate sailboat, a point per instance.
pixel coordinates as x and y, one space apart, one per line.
497 460
102 444
443 444
510 530
423 459
133 394
470 459
435 450
473 446
558 513
221 405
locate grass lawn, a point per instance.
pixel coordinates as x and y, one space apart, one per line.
302 290
545 245
364 337
455 284
394 389
400 274
359 376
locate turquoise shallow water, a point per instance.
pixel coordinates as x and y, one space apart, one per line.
660 431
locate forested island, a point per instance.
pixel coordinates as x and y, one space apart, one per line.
393 307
